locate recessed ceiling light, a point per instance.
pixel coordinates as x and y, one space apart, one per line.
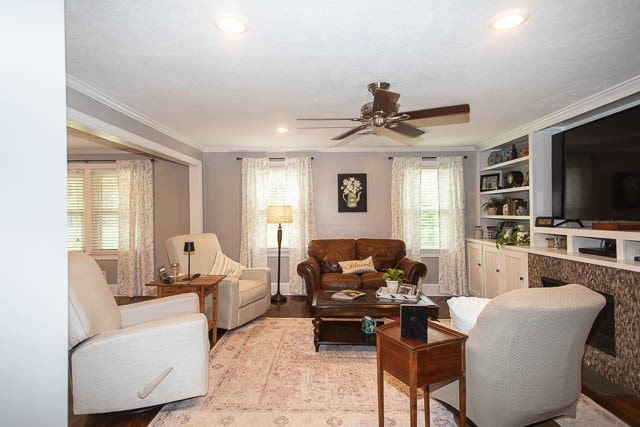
282 130
509 19
230 24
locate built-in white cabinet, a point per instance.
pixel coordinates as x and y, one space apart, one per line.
494 271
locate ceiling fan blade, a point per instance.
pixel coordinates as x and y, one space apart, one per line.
460 111
385 100
352 119
323 127
350 132
406 130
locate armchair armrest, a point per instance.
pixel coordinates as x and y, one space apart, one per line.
309 270
257 273
413 270
145 311
142 365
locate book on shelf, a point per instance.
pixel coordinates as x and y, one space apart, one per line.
347 295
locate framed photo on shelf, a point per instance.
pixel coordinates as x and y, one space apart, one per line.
490 182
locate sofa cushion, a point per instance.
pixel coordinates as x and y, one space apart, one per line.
464 311
340 281
372 280
385 252
251 290
329 252
358 266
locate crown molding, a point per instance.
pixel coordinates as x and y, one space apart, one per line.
91 92
600 99
383 150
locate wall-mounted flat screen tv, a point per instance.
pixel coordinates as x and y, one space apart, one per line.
596 169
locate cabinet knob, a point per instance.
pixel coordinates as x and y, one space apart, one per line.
522 278
497 270
479 265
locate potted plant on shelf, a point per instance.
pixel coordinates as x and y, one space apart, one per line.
394 278
493 205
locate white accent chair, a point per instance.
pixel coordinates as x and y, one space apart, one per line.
524 354
239 300
132 356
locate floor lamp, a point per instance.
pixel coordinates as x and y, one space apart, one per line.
279 215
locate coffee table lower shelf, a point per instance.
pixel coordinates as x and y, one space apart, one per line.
341 332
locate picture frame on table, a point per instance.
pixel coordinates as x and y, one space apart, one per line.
407 290
490 182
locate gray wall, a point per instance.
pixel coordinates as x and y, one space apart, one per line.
170 205
223 188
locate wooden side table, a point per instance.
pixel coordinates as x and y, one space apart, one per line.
418 364
203 286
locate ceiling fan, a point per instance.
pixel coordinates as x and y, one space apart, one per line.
382 112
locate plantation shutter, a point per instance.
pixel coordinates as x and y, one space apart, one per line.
429 225
104 209
75 210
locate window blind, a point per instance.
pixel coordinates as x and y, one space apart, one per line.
429 223
277 196
75 210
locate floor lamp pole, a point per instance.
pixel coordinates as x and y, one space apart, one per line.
278 297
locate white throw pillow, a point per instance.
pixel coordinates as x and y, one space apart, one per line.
358 266
464 311
225 265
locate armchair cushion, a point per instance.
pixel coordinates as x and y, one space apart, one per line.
155 309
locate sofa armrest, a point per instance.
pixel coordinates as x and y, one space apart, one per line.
413 270
142 365
309 270
155 309
257 273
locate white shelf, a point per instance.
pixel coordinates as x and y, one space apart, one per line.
506 190
505 164
512 217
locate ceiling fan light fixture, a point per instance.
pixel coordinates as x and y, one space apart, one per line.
508 19
230 24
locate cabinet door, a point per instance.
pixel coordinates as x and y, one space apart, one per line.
515 269
475 269
492 272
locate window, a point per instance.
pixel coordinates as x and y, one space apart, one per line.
92 208
277 196
429 225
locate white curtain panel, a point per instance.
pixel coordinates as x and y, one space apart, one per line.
405 203
303 228
135 227
255 196
452 278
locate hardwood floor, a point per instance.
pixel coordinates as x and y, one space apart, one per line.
626 408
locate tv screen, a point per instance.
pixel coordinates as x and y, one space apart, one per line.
596 169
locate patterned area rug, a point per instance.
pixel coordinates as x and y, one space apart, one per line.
267 373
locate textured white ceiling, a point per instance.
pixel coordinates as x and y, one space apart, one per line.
164 60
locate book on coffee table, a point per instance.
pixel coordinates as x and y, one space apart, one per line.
347 295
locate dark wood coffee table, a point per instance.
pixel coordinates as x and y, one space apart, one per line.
338 322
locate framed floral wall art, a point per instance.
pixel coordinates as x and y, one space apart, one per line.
352 192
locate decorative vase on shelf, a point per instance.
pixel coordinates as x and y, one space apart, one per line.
477 232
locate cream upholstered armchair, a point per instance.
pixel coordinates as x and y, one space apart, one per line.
132 356
242 296
524 354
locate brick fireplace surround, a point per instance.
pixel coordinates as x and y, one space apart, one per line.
624 285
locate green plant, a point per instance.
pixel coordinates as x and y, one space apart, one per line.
493 202
510 237
394 274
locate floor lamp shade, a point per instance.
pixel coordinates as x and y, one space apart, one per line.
279 215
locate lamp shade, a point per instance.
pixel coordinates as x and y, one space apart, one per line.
279 214
189 247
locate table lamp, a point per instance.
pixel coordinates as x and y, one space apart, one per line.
279 215
188 248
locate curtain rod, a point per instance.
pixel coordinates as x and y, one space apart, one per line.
270 158
427 158
101 161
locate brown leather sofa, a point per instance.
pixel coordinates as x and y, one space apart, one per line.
322 271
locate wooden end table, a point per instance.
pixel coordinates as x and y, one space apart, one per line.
418 364
203 286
